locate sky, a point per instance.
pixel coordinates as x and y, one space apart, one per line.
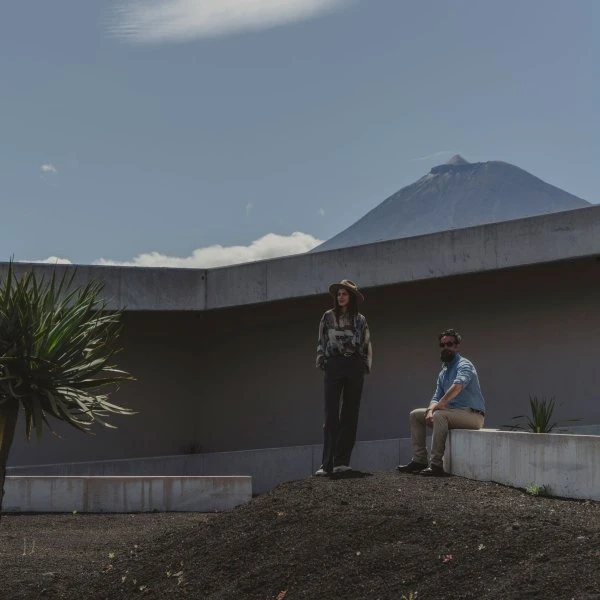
197 133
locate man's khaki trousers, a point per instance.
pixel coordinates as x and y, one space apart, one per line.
449 418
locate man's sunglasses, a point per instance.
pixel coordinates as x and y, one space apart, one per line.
447 344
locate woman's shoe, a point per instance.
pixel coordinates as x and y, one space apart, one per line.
342 469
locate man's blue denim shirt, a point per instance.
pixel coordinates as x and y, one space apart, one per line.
462 371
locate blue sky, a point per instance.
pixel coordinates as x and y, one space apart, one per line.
148 132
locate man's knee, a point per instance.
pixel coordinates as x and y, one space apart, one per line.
418 414
439 418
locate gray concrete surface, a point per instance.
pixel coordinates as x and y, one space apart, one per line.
559 236
268 467
113 494
134 288
568 465
244 378
579 429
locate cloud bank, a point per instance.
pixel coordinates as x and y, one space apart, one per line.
53 260
270 245
157 21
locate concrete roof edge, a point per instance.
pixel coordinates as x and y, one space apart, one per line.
533 240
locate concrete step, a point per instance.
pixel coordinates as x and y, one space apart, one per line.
114 494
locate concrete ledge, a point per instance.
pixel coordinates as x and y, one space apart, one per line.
533 240
568 464
124 494
268 466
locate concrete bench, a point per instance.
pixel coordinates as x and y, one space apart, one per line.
568 464
46 493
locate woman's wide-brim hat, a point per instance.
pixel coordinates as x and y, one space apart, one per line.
347 285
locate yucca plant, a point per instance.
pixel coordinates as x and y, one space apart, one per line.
57 343
541 416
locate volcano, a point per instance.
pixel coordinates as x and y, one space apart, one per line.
454 195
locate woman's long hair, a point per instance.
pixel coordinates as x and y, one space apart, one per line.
352 306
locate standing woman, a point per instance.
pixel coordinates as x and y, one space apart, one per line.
344 353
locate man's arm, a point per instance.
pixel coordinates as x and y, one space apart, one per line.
437 395
463 377
439 392
454 390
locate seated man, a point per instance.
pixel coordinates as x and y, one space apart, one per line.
456 404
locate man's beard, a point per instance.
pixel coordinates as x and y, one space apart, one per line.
446 355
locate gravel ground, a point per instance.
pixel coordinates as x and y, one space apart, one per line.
375 536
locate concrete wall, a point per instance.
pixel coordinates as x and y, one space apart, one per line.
568 465
244 378
124 494
267 467
133 288
558 236
535 240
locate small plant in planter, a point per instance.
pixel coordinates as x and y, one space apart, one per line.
540 419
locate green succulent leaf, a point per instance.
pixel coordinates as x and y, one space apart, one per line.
540 419
57 348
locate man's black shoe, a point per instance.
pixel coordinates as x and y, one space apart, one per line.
433 471
411 467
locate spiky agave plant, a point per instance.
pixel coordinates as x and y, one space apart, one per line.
57 343
540 420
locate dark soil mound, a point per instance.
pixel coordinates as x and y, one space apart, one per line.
363 536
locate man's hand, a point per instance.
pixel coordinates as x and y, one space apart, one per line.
429 417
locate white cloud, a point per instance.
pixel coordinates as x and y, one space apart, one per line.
249 207
268 246
48 168
321 211
156 21
53 260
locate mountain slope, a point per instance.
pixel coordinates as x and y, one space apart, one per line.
455 195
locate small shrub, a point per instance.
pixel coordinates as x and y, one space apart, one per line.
538 490
540 420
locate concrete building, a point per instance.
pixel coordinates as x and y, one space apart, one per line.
225 357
